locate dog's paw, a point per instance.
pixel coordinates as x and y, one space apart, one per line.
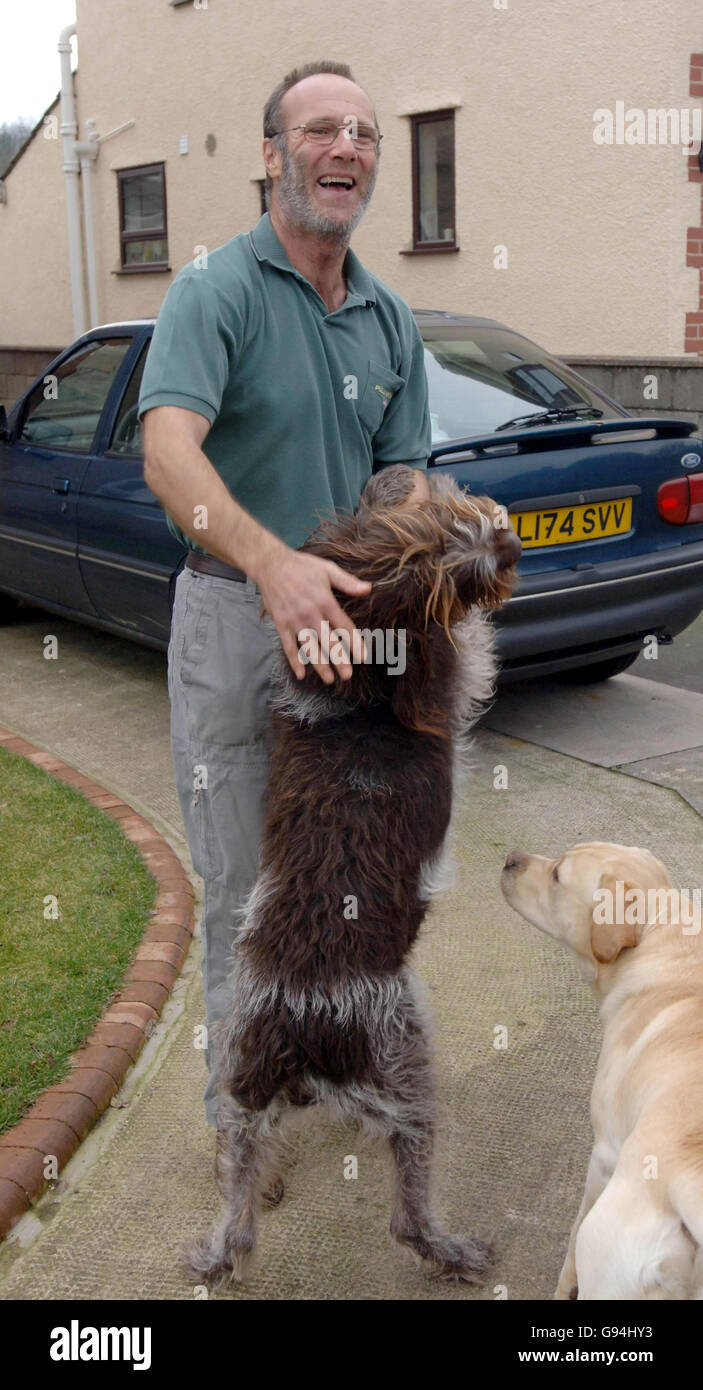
213 1262
459 1258
464 1259
565 1290
273 1196
202 1264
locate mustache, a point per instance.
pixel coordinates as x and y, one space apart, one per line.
300 209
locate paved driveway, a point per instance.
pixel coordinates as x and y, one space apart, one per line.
515 1130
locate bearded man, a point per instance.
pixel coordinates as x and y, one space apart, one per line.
280 376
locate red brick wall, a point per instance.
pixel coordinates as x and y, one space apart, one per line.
693 333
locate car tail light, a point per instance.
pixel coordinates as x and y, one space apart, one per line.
680 501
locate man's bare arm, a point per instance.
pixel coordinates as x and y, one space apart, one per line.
297 589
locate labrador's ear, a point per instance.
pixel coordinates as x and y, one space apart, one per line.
611 933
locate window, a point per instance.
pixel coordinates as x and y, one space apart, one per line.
142 195
433 181
126 439
481 377
69 417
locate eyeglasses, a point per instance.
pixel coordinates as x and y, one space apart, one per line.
325 133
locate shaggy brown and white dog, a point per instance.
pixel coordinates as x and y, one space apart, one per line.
324 1007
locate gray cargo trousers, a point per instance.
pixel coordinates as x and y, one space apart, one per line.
220 666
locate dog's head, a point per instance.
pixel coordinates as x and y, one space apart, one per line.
430 549
593 898
433 553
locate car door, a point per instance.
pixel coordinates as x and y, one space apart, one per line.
42 466
127 554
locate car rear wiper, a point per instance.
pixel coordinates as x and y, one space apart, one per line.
548 417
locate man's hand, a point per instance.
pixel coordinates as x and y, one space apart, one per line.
296 588
297 592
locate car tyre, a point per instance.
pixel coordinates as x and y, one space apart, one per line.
9 608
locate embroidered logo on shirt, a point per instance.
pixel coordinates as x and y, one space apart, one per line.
387 395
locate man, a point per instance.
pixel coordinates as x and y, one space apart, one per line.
281 375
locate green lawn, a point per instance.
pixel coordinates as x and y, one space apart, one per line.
58 973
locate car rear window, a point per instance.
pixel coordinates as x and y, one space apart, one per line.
480 378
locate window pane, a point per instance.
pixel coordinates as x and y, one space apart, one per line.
126 438
143 202
480 377
69 418
145 252
435 142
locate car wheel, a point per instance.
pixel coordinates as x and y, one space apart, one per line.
9 607
599 671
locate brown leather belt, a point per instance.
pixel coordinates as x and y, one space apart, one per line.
207 564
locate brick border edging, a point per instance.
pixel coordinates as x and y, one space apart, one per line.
62 1116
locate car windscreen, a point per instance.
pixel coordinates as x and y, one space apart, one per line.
480 378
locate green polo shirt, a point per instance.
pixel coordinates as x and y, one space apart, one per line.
303 404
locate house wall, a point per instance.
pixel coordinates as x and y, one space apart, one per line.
19 367
35 285
600 260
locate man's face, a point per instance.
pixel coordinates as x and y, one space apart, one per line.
307 204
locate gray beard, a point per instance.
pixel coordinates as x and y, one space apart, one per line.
300 212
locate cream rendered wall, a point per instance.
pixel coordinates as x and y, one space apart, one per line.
596 236
35 286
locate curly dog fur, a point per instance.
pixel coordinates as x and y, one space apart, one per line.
324 1007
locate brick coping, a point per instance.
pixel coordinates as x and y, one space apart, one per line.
62 1115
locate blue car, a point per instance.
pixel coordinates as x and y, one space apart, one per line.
609 507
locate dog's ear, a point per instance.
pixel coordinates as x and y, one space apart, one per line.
610 936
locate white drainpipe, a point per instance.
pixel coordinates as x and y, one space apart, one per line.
87 152
69 131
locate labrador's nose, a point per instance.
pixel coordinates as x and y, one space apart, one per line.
513 859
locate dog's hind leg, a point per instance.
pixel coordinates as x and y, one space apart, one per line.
600 1171
632 1244
413 1223
403 1107
246 1173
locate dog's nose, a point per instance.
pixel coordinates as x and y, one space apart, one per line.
513 859
509 546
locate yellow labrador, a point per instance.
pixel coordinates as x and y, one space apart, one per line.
639 1230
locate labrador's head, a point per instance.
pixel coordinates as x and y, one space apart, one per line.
586 898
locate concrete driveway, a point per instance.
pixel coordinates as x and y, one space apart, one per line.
582 763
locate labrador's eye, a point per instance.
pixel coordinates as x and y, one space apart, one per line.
555 873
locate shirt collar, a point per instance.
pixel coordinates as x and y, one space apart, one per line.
267 247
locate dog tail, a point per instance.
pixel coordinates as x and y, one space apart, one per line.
278 1051
268 1058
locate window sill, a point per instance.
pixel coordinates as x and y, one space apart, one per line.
433 248
156 269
